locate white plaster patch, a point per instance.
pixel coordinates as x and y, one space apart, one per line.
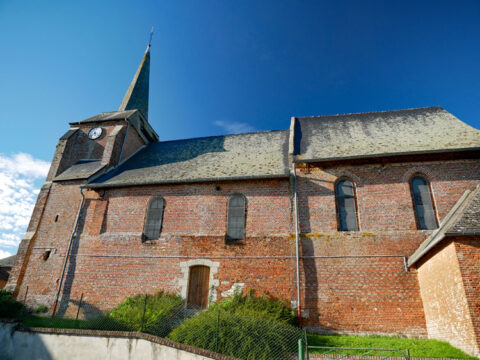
305 313
213 283
236 287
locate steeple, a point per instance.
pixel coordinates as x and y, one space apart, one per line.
137 93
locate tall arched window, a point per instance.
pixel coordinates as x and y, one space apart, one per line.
236 217
153 222
346 207
422 201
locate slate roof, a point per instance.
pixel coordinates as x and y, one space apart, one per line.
8 261
83 169
468 221
108 116
241 156
363 135
463 219
137 93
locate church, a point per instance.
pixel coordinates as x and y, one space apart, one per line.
366 223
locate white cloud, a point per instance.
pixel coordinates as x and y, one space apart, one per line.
4 254
235 127
19 175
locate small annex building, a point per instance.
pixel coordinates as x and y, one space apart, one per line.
367 223
6 265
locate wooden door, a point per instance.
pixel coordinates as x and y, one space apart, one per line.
198 286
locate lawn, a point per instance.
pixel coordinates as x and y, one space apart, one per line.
418 348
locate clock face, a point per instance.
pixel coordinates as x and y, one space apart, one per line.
95 133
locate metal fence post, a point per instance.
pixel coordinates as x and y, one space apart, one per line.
25 297
144 309
218 329
300 349
79 306
408 354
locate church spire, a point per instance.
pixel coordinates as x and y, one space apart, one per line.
137 93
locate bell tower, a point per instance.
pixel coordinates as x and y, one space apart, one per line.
90 148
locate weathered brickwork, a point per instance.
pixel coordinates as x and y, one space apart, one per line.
383 194
41 276
352 282
468 254
444 298
347 286
201 209
358 283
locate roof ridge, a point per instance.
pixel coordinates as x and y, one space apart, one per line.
371 112
229 135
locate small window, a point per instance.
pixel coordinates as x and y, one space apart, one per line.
236 217
346 207
153 222
46 255
422 201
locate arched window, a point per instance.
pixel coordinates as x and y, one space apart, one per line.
153 222
346 207
236 217
422 201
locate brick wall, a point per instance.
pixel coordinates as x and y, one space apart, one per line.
383 193
468 254
443 294
357 283
351 281
41 276
347 287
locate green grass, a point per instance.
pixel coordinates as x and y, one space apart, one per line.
418 348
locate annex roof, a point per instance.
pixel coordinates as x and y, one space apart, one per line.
229 157
108 116
384 133
8 261
463 219
82 169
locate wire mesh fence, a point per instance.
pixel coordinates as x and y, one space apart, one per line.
243 336
334 353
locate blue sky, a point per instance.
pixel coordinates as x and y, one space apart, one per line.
218 67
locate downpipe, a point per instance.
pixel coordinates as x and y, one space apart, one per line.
297 245
72 237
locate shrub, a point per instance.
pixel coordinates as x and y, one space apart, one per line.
265 307
128 315
41 309
244 337
9 307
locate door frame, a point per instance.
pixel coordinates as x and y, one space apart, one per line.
213 283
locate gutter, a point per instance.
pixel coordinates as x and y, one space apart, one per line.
68 252
183 181
381 155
